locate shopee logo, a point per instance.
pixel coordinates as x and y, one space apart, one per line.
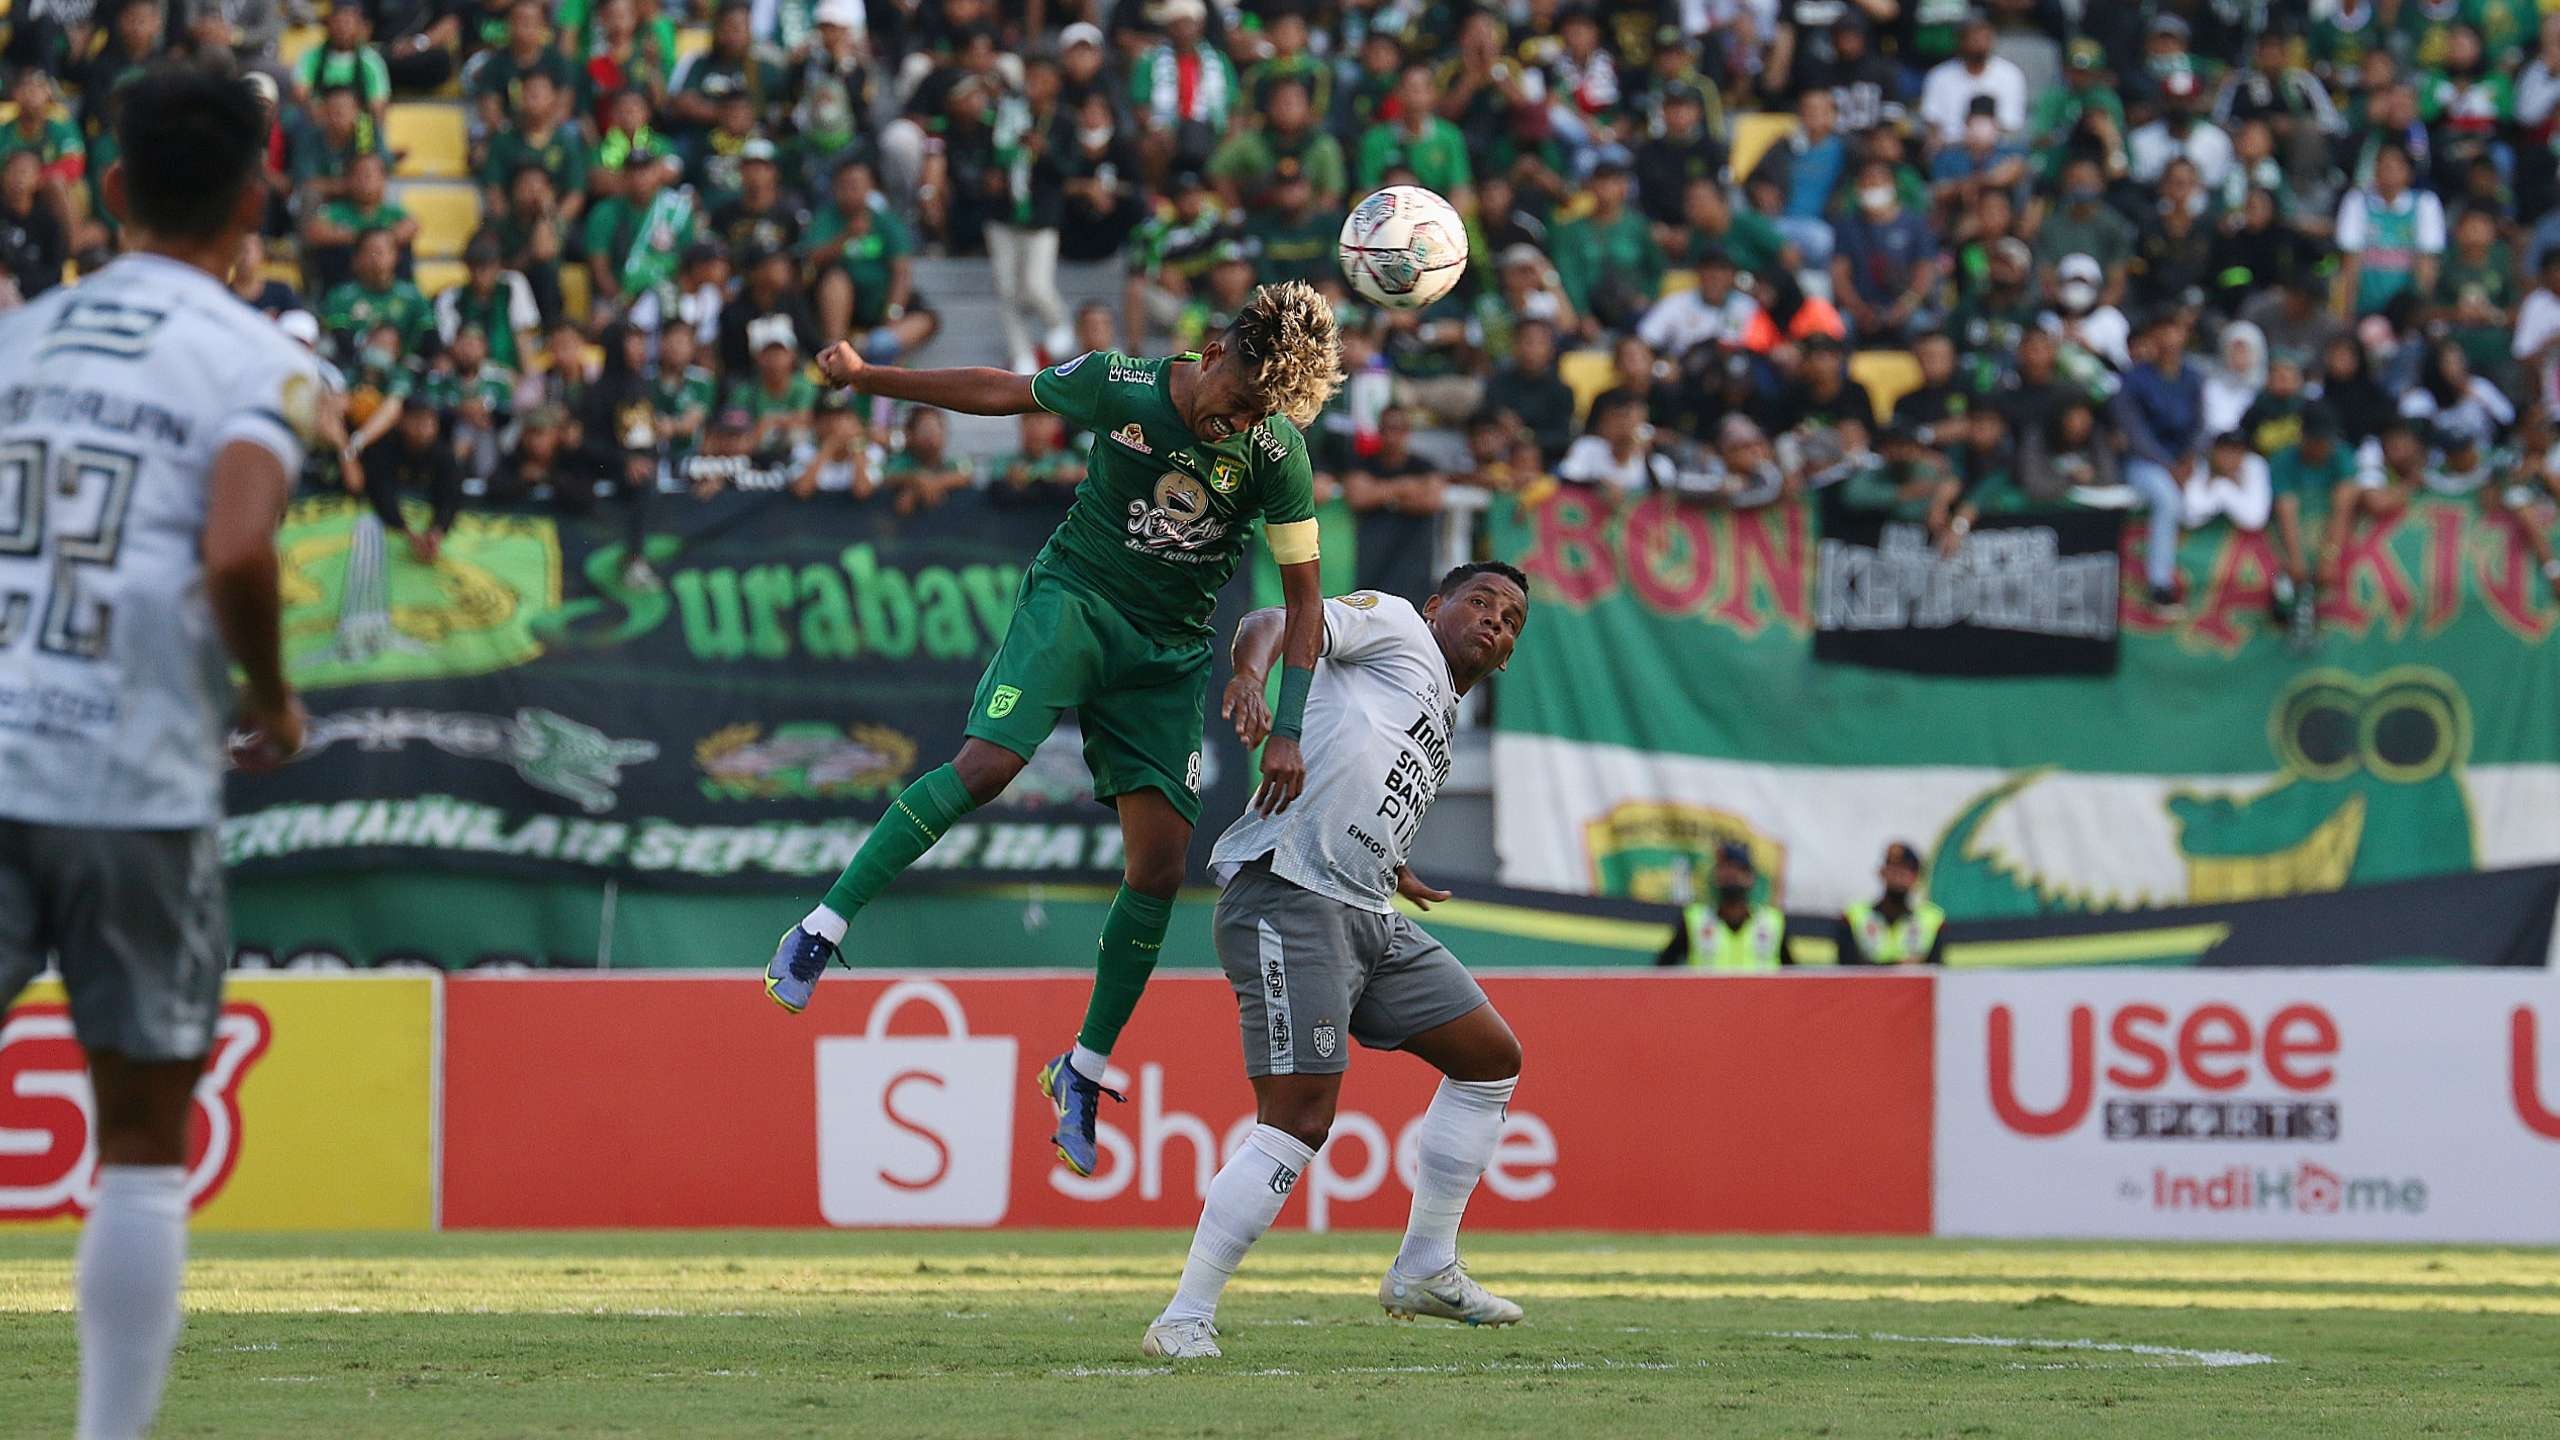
48 1143
1523 1165
2210 1048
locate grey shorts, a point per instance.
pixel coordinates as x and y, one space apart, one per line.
138 921
1307 968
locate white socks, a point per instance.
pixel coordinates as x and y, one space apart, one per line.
1243 1201
1087 1062
1452 1147
133 1256
826 924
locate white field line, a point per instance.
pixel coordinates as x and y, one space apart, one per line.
2211 1359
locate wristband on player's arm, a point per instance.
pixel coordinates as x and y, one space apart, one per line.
1291 716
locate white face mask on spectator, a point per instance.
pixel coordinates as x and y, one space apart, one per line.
2079 297
1877 198
1094 136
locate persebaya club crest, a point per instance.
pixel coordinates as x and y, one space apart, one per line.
358 609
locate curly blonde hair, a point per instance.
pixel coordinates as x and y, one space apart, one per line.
1287 337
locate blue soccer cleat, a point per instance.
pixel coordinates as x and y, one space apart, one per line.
1076 1100
794 970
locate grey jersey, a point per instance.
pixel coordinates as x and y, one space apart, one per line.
115 395
1377 747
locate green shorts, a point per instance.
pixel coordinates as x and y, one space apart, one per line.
1140 700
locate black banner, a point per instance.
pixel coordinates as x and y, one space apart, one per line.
740 711
2024 595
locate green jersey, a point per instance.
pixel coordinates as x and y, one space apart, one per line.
491 385
1163 516
352 312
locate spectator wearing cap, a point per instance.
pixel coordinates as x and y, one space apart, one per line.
636 239
1183 89
1169 254
1713 312
1725 930
1900 926
493 298
762 215
1804 172
2390 234
1290 144
1975 70
2082 117
1608 261
2180 132
1082 58
1415 138
924 470
545 134
2160 412
1043 473
840 458
831 92
1887 266
862 260
1681 152
729 67
1529 391
1022 226
330 233
778 395
2096 338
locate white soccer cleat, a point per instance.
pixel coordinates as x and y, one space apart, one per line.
1182 1340
1452 1294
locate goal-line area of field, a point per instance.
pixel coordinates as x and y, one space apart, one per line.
769 1333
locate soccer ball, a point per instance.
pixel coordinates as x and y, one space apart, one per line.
1403 247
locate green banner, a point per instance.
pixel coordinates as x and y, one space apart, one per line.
1666 699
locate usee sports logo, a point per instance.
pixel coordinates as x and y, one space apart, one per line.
48 1145
2172 1075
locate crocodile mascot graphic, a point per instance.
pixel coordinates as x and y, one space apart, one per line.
358 608
2369 788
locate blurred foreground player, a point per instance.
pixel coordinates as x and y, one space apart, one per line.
1317 953
150 426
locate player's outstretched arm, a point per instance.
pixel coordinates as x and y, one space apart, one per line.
1284 770
245 500
1257 646
971 390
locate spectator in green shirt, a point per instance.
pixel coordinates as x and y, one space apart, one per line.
544 135
925 470
1607 261
329 235
2305 476
322 159
1711 223
2475 294
1044 472
497 76
1289 144
860 258
51 135
343 57
1417 139
476 397
635 239
780 397
682 390
375 296
730 67
1286 30
2080 117
1293 237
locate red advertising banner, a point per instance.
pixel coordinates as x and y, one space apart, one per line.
1669 1102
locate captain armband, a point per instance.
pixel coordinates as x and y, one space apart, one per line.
1293 543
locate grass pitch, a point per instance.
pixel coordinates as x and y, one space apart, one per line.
781 1334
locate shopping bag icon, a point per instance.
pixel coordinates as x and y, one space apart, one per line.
915 1129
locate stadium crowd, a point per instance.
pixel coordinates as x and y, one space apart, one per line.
2269 265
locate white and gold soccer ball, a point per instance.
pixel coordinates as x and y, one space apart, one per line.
1403 247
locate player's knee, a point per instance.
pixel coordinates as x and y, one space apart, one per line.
985 770
1501 1059
1157 875
1306 1121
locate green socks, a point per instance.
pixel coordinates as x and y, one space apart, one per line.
1132 937
915 820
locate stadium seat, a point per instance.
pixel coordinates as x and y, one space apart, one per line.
297 42
1753 134
448 212
576 291
692 40
1675 282
1888 375
1586 373
430 139
434 277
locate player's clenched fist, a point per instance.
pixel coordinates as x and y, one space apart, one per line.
841 364
1245 706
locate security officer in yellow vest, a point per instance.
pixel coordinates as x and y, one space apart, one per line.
1891 929
1732 935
